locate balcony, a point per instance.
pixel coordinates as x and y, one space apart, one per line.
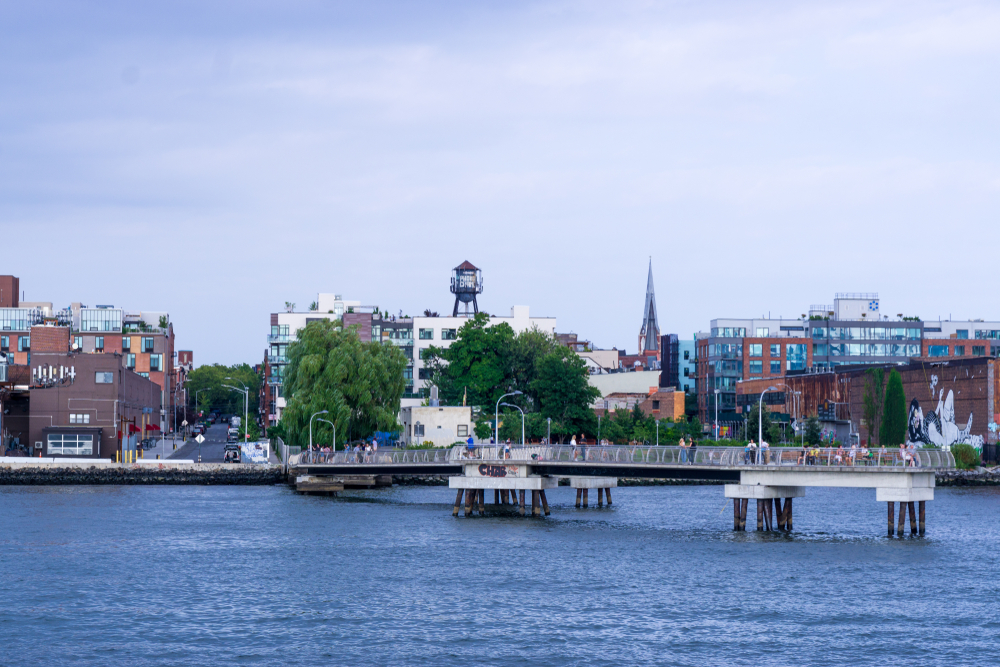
279 359
280 338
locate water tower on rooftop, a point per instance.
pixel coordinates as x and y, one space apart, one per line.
466 283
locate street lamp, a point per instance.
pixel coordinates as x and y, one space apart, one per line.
657 432
321 412
548 431
716 415
511 405
246 403
496 413
334 432
598 429
760 419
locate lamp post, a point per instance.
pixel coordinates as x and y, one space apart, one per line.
598 429
496 413
321 412
246 403
657 432
548 431
716 415
760 419
511 405
334 432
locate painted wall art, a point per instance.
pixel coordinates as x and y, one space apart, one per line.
938 428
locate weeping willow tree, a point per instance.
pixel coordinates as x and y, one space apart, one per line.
360 384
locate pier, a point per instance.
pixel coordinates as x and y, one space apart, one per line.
773 479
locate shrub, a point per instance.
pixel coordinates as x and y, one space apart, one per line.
966 456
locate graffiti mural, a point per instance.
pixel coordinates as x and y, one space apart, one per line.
938 428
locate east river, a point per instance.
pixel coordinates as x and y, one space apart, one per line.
259 575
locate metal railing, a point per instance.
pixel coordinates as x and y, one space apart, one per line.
666 456
383 455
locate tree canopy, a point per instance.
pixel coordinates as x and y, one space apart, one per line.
360 384
206 384
486 362
893 427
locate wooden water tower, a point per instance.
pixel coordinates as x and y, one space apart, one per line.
466 283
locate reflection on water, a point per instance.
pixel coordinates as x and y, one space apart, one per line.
192 575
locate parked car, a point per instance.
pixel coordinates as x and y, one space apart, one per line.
232 454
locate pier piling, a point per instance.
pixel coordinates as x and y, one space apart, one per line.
458 503
545 502
760 515
921 517
579 496
901 524
520 509
913 517
892 517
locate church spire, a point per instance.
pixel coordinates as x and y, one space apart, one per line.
649 335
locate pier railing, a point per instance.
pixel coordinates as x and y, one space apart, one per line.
652 455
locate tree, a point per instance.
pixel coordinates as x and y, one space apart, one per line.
483 429
563 391
752 429
360 384
479 362
206 384
814 432
893 427
873 399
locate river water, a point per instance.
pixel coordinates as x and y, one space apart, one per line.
260 575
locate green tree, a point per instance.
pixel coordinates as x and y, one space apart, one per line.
563 391
479 361
893 427
206 383
483 429
814 432
873 400
360 384
752 428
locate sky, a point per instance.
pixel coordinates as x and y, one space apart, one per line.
217 159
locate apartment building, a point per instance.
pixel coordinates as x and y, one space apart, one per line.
851 332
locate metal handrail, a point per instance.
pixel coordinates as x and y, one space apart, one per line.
829 457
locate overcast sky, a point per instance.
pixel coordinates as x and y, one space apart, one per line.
216 159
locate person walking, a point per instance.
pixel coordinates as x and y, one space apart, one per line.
765 452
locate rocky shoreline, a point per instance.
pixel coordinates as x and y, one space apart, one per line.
144 475
978 477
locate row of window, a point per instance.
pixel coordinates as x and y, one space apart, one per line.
146 343
865 350
867 333
71 444
446 334
23 343
942 350
83 418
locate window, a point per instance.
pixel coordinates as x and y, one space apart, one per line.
147 344
962 334
66 444
14 319
79 418
99 343
102 377
762 332
101 319
959 350
145 375
821 349
687 372
687 354
756 350
408 373
729 332
756 367
4 343
418 430
987 333
427 334
156 362
937 350
376 333
449 334
424 374
463 430
126 343
795 356
775 349
656 405
425 354
979 350
23 343
130 361
77 342
776 367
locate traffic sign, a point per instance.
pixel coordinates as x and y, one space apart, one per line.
200 439
184 423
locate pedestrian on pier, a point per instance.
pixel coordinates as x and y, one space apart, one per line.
470 443
765 452
684 452
748 451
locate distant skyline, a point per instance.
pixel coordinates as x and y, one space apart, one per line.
215 160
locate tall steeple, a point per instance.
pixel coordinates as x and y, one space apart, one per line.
649 335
